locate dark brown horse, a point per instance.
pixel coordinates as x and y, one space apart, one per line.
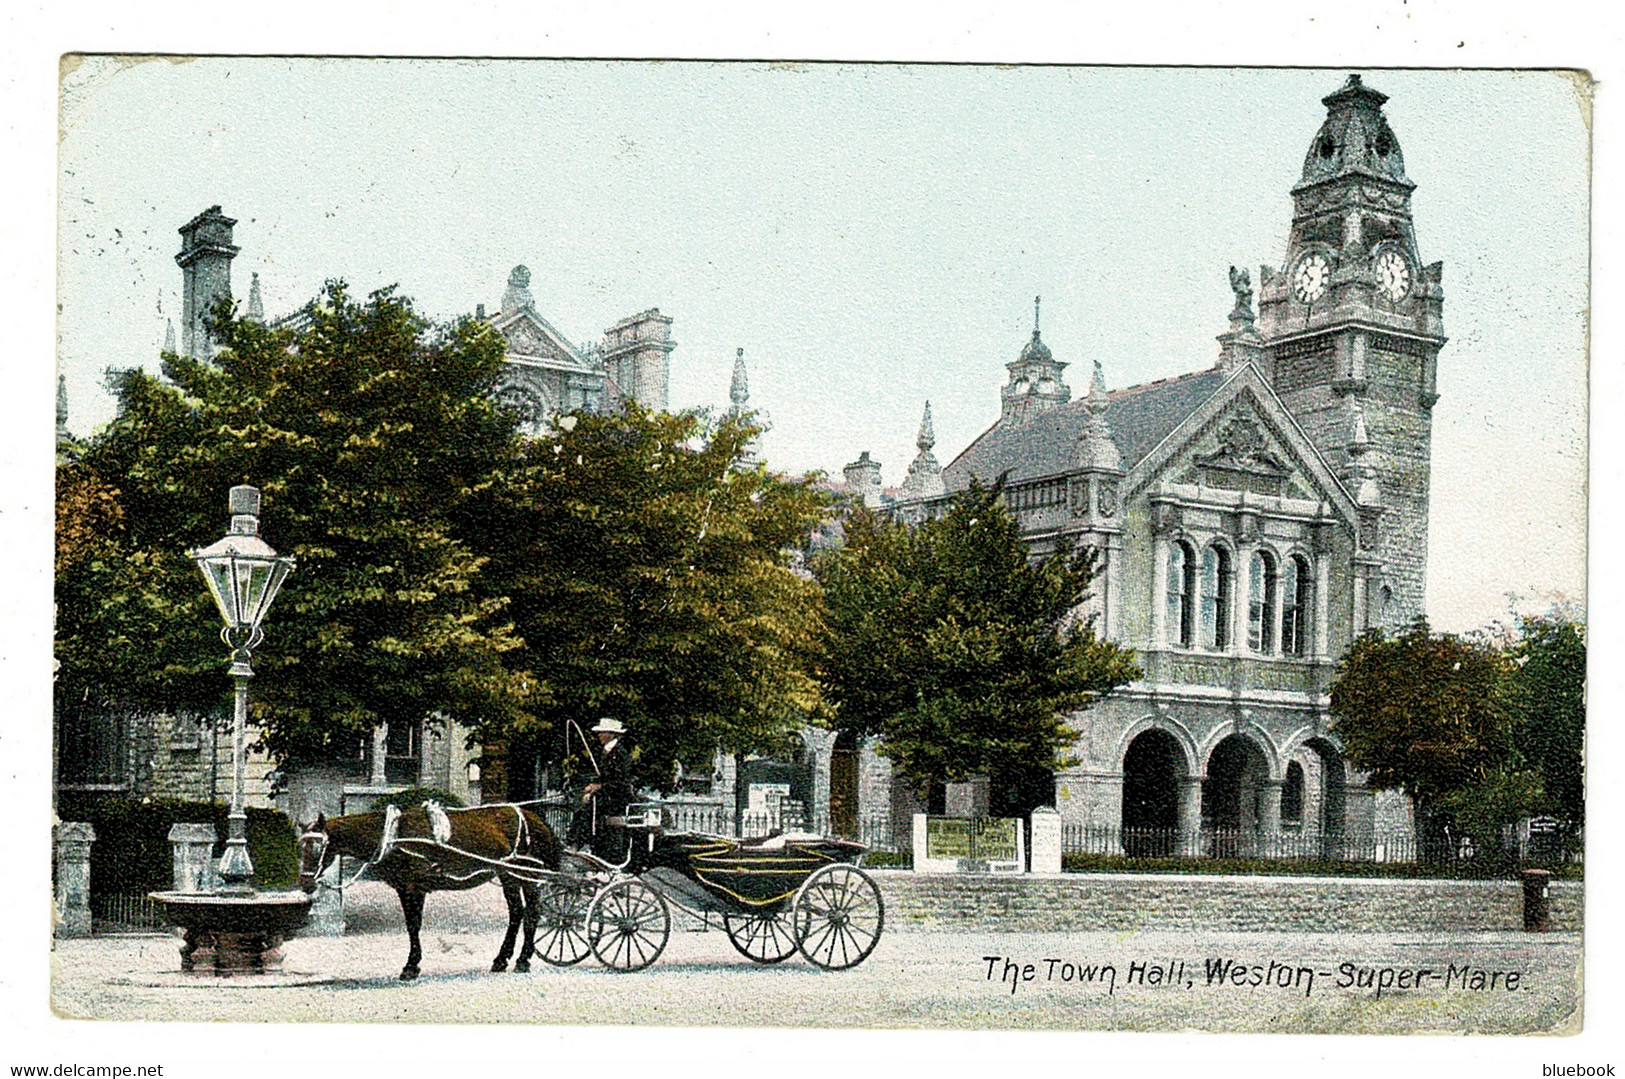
427 849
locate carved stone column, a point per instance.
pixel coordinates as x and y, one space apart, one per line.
1190 816
1269 817
820 745
1159 590
380 750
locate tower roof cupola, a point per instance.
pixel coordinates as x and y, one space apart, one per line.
1355 139
1035 381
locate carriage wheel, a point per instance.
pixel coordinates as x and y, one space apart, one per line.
561 923
762 936
628 925
838 917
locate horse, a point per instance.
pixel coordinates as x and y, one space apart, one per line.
429 848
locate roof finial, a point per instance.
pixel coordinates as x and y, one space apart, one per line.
739 389
927 438
256 307
1036 301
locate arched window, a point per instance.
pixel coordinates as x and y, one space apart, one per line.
1181 594
1295 596
1262 588
1292 796
1216 587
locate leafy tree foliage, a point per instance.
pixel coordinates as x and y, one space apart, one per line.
966 655
367 430
648 561
1548 691
1426 712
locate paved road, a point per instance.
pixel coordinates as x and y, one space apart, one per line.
914 979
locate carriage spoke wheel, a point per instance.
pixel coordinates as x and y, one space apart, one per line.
561 923
838 917
627 925
763 936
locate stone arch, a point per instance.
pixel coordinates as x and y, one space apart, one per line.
1254 735
1326 780
1236 779
1170 726
1156 771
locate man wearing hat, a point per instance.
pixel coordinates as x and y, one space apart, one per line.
613 791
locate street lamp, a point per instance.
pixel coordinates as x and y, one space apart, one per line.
243 574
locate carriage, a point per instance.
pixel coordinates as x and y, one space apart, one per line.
773 896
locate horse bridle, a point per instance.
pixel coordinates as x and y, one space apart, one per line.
386 842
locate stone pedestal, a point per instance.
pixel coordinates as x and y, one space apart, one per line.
326 914
1045 825
191 849
72 840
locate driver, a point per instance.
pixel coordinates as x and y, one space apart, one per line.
613 791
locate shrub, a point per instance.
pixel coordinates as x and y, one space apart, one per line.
131 854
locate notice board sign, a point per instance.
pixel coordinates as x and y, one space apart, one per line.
969 844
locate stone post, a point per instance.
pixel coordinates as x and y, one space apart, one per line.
191 848
72 840
1046 840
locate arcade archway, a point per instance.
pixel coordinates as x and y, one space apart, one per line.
1231 790
1153 769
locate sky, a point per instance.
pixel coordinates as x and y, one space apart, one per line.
872 236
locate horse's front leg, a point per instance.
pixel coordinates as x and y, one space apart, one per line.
532 897
516 907
412 907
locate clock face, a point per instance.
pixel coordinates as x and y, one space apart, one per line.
1310 279
1393 275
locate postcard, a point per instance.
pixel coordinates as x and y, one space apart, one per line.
821 545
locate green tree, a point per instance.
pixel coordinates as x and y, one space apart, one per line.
964 653
1548 691
649 566
1429 713
368 430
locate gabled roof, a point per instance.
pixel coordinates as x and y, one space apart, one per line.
1046 445
526 322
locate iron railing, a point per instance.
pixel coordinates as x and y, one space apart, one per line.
125 913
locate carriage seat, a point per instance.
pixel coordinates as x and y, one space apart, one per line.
777 841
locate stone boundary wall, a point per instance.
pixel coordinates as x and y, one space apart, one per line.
1073 902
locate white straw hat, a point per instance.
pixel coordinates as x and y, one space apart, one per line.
609 726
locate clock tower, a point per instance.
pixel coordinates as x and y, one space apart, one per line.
1352 328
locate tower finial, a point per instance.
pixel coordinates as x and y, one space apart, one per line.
739 389
1036 301
927 438
256 306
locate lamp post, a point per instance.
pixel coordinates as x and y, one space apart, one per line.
243 574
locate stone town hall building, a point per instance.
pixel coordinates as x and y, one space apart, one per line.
1253 517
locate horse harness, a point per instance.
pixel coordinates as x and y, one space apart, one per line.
425 848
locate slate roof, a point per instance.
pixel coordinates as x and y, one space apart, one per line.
1140 418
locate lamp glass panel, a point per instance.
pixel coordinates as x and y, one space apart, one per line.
279 573
217 575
